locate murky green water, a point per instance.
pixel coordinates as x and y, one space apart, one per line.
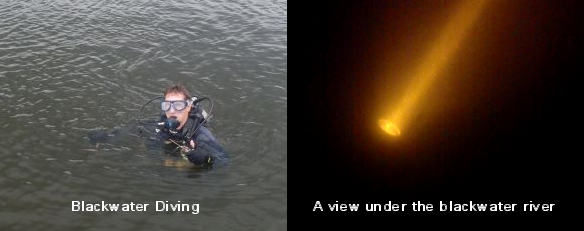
70 67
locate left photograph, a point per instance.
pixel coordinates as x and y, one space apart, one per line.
143 115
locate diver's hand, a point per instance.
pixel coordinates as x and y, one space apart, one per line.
200 159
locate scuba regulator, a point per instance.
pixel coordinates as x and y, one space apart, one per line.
171 124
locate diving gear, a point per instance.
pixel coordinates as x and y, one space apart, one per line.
171 124
194 102
178 105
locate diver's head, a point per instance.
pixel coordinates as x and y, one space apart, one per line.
177 103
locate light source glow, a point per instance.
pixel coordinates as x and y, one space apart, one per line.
389 127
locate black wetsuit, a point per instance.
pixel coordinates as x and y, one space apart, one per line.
207 149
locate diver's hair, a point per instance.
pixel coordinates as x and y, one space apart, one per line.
180 89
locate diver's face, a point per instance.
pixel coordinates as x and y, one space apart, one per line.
181 115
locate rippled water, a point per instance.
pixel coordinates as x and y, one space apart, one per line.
70 67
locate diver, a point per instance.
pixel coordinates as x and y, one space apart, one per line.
183 123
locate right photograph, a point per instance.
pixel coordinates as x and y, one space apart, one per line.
437 107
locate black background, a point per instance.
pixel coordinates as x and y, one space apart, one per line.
518 141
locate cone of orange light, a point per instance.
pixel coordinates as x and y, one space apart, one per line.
425 74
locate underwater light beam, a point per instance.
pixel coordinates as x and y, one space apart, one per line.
425 74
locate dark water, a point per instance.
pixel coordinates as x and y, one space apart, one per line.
71 67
